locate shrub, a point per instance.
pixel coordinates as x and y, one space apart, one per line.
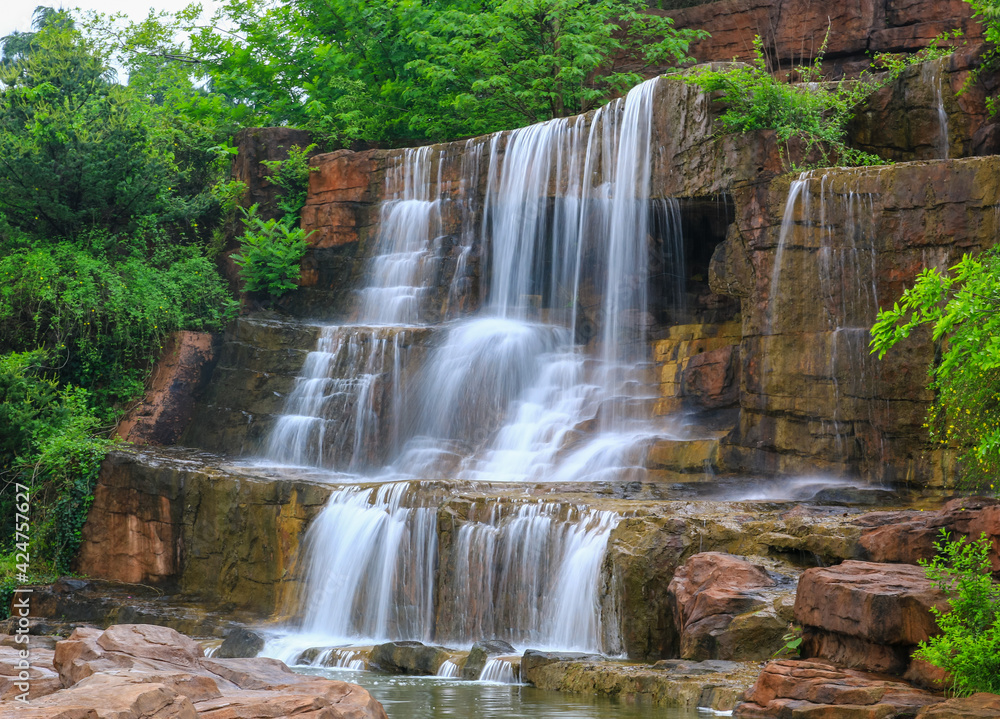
292 175
962 309
270 254
809 110
969 646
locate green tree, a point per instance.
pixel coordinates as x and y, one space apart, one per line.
962 310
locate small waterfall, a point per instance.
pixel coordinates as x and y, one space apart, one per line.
932 73
499 671
336 414
530 574
448 670
843 237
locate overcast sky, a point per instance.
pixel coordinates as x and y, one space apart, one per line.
17 13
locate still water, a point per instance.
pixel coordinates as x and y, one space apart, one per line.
406 697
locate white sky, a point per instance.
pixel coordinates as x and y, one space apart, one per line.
16 14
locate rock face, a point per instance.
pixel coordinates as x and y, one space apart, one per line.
811 397
866 615
240 643
134 671
721 610
793 30
176 383
787 689
176 522
978 705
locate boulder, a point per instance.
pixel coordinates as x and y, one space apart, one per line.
711 380
880 603
152 672
481 651
407 658
240 643
789 688
721 611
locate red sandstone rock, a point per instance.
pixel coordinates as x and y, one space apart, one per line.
879 603
909 536
789 688
175 383
43 677
978 706
709 591
147 672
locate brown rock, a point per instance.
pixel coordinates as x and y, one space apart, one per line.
910 536
709 591
150 672
879 603
790 688
712 379
42 676
177 380
977 706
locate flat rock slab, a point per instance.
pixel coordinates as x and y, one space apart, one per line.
716 685
879 603
978 706
136 671
801 689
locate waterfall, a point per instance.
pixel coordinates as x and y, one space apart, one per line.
932 73
499 671
543 382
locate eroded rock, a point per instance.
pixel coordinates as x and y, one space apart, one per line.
407 658
480 653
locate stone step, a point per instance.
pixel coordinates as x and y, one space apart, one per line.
686 455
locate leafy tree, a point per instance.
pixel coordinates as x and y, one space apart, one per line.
18 45
968 647
270 254
962 310
401 71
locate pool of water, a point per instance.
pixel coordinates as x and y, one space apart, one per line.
407 697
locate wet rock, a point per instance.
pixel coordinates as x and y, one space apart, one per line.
978 706
721 611
789 688
178 379
711 380
481 652
240 643
407 658
713 684
147 672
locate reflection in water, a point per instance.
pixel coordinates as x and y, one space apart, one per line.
434 698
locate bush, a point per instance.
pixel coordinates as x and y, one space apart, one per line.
52 449
270 254
962 309
809 110
969 646
292 175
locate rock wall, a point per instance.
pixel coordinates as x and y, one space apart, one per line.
812 398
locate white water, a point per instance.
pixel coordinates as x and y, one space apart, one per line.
448 670
499 671
933 74
543 383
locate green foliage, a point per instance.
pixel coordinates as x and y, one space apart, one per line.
400 71
508 63
292 175
808 110
109 196
103 306
793 643
987 12
962 309
270 254
969 646
53 451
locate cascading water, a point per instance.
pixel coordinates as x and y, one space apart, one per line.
543 383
